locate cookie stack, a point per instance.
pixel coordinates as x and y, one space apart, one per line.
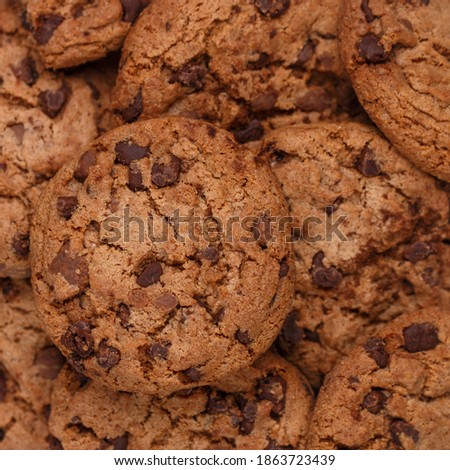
236 238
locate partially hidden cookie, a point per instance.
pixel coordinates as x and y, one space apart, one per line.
370 238
266 406
158 260
74 32
243 65
397 54
392 392
29 363
44 119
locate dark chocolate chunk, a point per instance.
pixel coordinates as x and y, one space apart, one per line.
420 337
251 132
150 274
272 8
371 50
374 401
191 375
73 267
325 278
399 427
79 339
375 348
50 362
26 71
166 174
66 206
128 151
107 356
367 163
46 25
53 102
87 160
21 245
243 337
417 251
135 109
315 100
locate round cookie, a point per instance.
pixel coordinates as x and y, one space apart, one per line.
73 32
267 406
397 55
369 238
242 65
44 119
392 392
29 363
158 260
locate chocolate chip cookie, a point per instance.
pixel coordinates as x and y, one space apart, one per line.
77 31
242 65
267 406
397 54
370 238
29 363
392 392
44 119
160 257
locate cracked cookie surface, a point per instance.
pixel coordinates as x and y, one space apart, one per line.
243 65
388 251
392 392
266 406
44 119
29 363
74 32
398 56
156 267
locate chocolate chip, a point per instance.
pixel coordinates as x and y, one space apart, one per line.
243 337
210 253
54 444
158 350
121 442
212 131
261 230
265 102
124 315
367 11
218 316
284 268
216 405
258 64
21 245
25 22
191 375
273 388
375 348
291 333
374 401
73 267
135 182
26 71
135 109
367 163
399 427
166 174
253 131
420 337
371 50
249 411
50 362
19 132
132 9
76 362
79 339
150 274
127 151
315 100
272 8
306 53
325 278
2 385
46 25
66 206
417 251
87 160
107 356
191 75
53 102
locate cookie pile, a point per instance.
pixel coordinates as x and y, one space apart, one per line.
235 237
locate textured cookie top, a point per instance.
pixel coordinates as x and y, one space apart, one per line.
74 32
368 229
397 54
156 262
29 363
267 406
44 119
392 392
236 63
